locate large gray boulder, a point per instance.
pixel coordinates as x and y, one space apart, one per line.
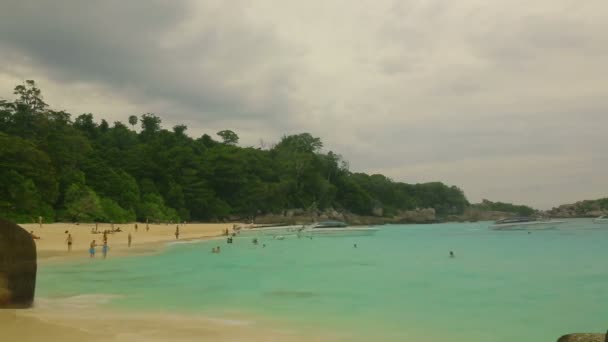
17 266
584 338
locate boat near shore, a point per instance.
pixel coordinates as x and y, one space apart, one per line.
271 230
525 223
601 220
338 228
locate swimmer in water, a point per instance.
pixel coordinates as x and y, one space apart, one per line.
452 254
355 246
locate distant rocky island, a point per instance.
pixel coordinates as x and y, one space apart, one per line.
586 208
484 211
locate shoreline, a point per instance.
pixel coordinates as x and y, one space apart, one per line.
77 322
52 245
85 318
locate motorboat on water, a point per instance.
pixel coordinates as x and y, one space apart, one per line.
524 223
338 228
601 219
271 230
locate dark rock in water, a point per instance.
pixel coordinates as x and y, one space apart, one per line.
584 338
17 266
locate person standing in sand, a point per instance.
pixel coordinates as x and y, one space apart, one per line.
136 227
92 249
129 238
105 249
69 241
176 232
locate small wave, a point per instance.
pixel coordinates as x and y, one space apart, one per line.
292 294
75 302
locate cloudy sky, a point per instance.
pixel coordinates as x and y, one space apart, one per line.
507 99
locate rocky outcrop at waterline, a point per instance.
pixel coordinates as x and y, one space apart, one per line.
587 208
17 266
584 338
301 216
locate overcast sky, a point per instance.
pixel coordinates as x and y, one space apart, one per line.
506 99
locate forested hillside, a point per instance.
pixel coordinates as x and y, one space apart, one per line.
76 168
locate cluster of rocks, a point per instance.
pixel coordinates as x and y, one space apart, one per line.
476 214
584 338
301 216
579 209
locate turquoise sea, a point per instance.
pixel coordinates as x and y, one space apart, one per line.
398 284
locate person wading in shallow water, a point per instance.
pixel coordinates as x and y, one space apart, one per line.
105 249
69 241
92 249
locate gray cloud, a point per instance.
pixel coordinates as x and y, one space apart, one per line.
506 99
132 47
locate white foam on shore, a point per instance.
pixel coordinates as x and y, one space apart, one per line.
83 301
192 241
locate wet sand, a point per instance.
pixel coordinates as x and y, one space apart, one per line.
98 325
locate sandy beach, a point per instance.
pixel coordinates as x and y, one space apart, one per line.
78 324
81 319
52 244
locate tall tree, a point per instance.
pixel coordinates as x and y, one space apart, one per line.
228 137
133 121
30 96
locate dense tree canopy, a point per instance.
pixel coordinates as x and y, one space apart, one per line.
521 210
73 168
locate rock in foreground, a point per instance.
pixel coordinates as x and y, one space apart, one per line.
584 338
17 266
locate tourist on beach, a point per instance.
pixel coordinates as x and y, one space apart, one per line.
176 232
136 227
34 236
147 227
69 241
105 236
92 249
129 238
105 249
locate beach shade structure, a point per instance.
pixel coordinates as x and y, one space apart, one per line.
17 266
584 338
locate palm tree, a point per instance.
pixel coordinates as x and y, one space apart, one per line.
133 121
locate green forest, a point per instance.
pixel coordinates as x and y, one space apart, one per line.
78 169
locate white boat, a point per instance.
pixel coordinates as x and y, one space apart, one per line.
601 219
337 228
271 231
525 223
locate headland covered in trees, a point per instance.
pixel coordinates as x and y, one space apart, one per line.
72 168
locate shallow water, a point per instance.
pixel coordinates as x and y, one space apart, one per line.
501 286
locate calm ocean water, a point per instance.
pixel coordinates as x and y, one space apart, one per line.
400 283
